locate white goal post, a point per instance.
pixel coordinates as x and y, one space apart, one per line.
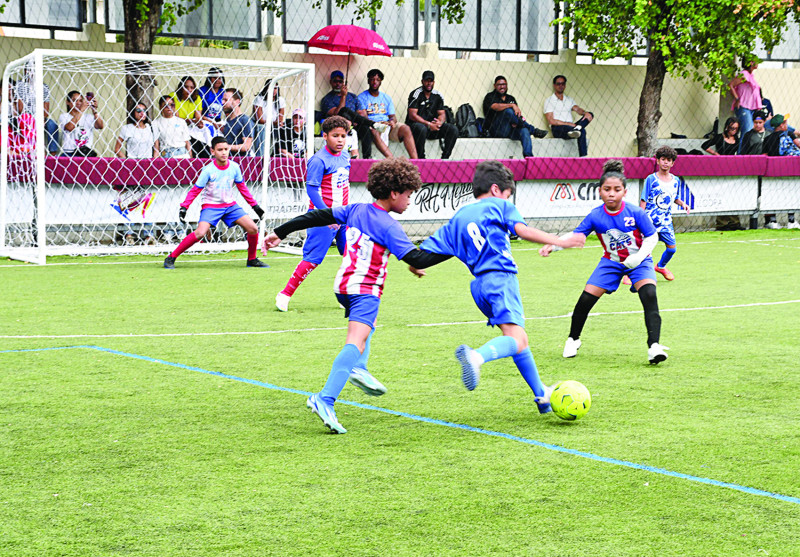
79 169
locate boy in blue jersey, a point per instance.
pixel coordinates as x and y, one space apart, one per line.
659 193
628 237
216 184
328 186
478 235
372 236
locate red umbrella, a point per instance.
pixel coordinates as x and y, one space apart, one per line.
350 39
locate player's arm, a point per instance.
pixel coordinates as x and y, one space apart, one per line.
248 197
540 237
682 204
643 203
418 259
648 245
311 219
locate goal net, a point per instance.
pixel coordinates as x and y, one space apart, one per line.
100 149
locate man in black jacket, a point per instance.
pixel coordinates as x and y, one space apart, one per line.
426 117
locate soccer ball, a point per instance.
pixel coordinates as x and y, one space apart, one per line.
570 400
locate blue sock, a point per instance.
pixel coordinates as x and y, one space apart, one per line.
362 360
340 371
498 347
666 256
527 368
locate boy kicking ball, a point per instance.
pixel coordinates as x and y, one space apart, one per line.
216 184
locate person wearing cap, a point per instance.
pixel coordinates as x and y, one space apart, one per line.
379 107
342 103
787 146
503 117
558 109
426 117
293 140
753 141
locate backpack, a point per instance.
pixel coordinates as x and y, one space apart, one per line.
466 122
448 115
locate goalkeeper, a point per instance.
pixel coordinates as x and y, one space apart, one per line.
216 184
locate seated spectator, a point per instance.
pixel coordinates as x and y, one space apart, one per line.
725 143
787 145
189 107
211 95
171 133
504 119
558 109
78 125
264 112
770 113
25 103
338 101
379 108
293 140
426 117
753 141
238 129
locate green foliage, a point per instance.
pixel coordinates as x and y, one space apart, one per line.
703 41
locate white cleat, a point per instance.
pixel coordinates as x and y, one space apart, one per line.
364 380
282 301
571 347
657 353
471 363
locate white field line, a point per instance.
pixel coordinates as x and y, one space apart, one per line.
293 331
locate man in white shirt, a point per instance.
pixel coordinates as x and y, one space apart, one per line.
558 109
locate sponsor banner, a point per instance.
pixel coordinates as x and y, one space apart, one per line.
574 198
715 194
780 194
434 201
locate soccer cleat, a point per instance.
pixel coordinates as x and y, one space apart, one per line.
362 379
325 413
539 134
574 133
543 402
571 347
169 262
470 366
256 262
626 280
282 301
664 271
794 225
657 353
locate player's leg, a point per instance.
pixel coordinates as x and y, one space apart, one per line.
605 278
318 241
526 365
666 235
644 280
206 222
362 308
251 229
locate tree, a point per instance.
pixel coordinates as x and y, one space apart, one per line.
703 41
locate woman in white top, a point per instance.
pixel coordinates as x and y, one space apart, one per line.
137 136
263 112
79 123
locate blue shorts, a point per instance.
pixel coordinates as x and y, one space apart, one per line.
362 308
228 215
666 234
609 273
319 240
496 294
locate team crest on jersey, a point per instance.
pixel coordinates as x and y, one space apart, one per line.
563 192
341 178
618 240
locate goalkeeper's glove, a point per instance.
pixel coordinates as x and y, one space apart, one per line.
182 215
259 211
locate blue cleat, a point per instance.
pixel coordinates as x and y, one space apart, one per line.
362 379
470 366
325 413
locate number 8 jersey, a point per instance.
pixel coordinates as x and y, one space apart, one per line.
620 233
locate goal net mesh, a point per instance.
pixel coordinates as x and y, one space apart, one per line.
93 162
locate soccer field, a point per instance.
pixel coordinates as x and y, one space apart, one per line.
154 412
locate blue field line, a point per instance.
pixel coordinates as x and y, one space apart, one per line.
549 446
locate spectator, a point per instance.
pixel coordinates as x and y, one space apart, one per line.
753 141
139 140
189 107
78 125
787 146
211 95
725 143
746 96
379 108
426 117
238 129
25 103
558 109
338 101
293 142
503 117
263 112
767 107
171 133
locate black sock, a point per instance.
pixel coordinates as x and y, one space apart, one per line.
652 319
585 304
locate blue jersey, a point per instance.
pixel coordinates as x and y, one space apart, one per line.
478 236
330 173
620 233
659 197
378 108
212 102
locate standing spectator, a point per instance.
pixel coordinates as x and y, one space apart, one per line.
558 109
78 125
426 117
725 143
238 129
746 96
293 142
753 141
338 101
172 141
379 108
211 95
189 107
504 119
265 111
25 101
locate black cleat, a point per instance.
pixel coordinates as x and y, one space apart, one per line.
169 262
539 134
255 262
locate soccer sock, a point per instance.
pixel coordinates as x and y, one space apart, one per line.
252 245
498 347
666 256
185 244
340 372
362 360
585 304
300 273
652 319
527 368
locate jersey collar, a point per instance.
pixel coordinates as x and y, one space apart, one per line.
621 208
